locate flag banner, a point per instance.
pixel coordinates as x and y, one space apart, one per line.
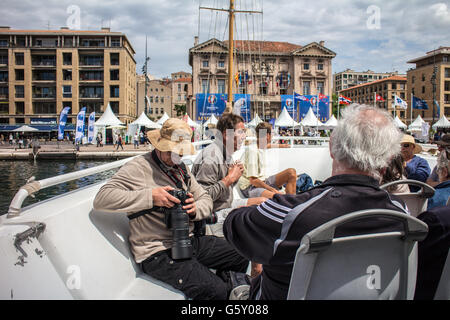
287 102
91 127
210 104
299 97
80 125
399 102
419 103
62 122
378 98
242 103
320 109
344 100
438 109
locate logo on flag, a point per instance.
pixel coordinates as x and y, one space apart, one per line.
323 97
62 122
80 125
212 99
399 102
344 100
378 97
91 127
419 103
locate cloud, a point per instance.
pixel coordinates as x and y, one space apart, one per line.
407 29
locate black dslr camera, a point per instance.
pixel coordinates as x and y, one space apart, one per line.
200 226
177 220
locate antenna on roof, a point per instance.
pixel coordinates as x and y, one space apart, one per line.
48 24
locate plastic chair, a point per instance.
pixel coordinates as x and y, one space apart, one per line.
366 267
416 201
443 289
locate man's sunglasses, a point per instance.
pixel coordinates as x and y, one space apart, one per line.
405 145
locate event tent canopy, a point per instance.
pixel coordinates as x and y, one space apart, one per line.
25 128
442 123
256 120
211 120
144 121
163 119
399 123
285 120
108 118
190 122
330 124
416 125
310 120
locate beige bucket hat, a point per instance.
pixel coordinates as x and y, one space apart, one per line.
410 139
174 136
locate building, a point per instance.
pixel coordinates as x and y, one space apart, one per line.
420 83
386 88
303 69
350 78
43 71
181 91
159 93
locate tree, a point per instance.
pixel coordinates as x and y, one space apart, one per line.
180 109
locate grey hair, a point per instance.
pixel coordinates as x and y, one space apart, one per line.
442 162
366 138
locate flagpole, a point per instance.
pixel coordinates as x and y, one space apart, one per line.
339 104
412 96
375 99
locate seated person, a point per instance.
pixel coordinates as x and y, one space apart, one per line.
253 182
443 144
433 252
393 172
416 168
362 144
442 190
141 189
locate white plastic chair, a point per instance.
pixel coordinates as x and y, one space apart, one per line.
366 267
416 201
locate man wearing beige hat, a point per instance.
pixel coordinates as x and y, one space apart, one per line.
143 188
416 168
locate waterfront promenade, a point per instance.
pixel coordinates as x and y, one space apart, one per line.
68 151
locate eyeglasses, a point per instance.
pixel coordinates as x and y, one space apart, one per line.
405 145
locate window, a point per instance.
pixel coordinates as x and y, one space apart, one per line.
423 77
205 86
179 97
151 99
114 74
205 64
19 91
20 76
221 64
179 87
447 86
221 86
321 87
67 58
413 79
20 41
306 67
447 71
44 107
162 99
114 58
423 89
114 106
67 74
115 42
320 67
19 58
67 91
156 99
4 59
306 87
68 42
20 107
91 92
161 110
394 86
4 108
3 42
114 91
4 76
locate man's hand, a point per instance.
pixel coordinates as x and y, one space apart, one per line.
190 206
162 198
257 201
234 173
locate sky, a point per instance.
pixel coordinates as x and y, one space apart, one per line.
377 35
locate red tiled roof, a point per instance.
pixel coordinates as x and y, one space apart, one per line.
264 46
391 78
183 80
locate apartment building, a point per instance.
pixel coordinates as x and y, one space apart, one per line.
433 68
181 90
268 69
159 93
350 78
386 88
43 71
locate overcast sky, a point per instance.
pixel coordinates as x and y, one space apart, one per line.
376 35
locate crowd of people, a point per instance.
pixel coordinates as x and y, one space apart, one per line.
263 230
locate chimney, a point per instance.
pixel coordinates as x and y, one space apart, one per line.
64 28
106 29
195 41
5 28
322 43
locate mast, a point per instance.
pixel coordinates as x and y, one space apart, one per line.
231 11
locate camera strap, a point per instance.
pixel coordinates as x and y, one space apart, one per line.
181 168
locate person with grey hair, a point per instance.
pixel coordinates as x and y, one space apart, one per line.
442 190
361 146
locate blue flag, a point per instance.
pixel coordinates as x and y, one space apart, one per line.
80 125
288 102
209 104
91 127
242 101
62 122
419 103
438 109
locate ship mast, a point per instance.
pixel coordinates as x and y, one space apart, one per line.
231 11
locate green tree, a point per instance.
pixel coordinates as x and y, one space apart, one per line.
180 109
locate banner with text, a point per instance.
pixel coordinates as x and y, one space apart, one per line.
323 107
287 101
209 104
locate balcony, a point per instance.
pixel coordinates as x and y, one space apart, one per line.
91 96
4 96
44 96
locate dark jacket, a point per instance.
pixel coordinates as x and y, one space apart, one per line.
267 234
433 251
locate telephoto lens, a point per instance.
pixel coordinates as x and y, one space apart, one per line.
179 223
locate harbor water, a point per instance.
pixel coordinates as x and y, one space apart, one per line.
14 174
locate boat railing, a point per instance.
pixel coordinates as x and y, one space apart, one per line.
32 186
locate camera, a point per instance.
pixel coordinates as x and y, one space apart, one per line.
200 226
177 220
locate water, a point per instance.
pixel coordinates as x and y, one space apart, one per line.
14 174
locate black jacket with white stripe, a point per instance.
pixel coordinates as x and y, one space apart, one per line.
270 235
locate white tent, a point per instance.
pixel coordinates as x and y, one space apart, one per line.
190 122
108 118
255 121
163 119
25 128
330 124
399 123
144 121
211 120
285 120
310 120
442 123
416 125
